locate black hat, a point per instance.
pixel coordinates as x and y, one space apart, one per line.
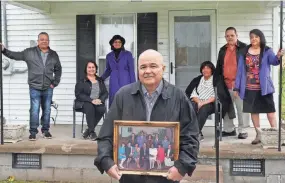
116 37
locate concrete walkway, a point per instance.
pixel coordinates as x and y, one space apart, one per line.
63 143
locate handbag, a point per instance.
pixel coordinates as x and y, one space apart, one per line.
78 105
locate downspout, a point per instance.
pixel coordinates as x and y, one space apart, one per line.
4 20
1 85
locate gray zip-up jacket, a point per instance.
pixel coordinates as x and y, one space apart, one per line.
40 76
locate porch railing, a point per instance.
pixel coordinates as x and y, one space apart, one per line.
218 132
280 77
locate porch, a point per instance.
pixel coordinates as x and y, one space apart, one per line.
147 24
68 159
64 158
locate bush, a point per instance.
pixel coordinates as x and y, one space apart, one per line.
283 95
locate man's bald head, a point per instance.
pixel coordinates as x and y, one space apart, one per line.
151 68
151 55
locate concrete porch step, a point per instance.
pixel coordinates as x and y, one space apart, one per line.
204 174
283 125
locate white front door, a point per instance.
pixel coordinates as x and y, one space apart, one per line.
192 41
106 27
114 24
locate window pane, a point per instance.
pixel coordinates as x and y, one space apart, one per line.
112 25
192 47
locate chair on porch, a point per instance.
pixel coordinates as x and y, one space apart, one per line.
55 106
83 117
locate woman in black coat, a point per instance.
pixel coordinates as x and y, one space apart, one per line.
202 95
91 94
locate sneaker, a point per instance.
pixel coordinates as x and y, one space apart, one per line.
86 134
121 167
47 135
93 136
228 134
242 135
32 137
256 141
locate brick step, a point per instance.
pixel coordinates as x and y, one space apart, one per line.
204 174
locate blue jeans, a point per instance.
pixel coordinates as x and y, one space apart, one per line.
39 98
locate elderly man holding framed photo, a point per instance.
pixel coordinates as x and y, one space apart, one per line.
151 99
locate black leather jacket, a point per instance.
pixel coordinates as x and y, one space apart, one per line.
171 105
83 90
40 76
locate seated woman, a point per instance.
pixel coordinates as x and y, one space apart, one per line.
91 94
202 95
152 156
122 155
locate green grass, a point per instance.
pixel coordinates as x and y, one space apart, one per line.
283 95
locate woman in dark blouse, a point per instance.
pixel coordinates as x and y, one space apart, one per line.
91 94
253 82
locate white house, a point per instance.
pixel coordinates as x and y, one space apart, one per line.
185 32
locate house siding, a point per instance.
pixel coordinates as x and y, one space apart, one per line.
24 25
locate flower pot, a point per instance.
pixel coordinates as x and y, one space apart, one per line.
14 132
269 136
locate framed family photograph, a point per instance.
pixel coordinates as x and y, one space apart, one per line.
146 147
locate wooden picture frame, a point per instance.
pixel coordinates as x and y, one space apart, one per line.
140 153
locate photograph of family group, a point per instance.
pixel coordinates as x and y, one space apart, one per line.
145 148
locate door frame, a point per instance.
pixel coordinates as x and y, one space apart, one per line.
97 36
193 12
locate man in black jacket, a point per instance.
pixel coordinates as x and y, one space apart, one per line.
144 155
226 70
44 73
151 99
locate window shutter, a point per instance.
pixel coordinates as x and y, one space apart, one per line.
146 32
85 43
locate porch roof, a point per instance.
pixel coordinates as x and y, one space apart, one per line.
45 6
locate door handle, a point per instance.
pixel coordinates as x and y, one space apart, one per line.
171 67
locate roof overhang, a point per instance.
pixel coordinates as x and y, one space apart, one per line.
44 6
38 6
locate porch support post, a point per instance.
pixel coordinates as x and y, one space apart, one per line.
1 80
280 77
